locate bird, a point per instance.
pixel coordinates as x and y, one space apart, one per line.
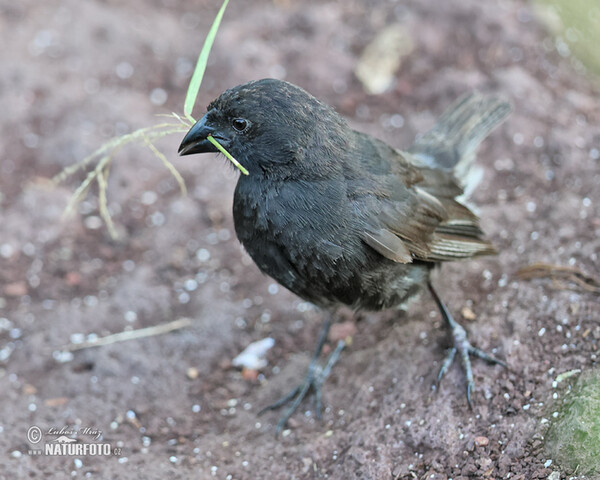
341 218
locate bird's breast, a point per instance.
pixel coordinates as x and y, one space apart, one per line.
307 225
308 239
300 215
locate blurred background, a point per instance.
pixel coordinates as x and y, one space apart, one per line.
77 73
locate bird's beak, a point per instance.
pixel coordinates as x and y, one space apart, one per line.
195 141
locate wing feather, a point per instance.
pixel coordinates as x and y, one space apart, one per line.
417 216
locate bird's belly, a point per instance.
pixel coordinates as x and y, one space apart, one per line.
317 252
388 284
357 277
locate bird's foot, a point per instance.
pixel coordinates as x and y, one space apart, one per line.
462 346
465 350
314 380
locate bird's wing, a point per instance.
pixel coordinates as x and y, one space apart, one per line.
413 213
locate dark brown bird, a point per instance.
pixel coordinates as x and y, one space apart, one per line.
339 217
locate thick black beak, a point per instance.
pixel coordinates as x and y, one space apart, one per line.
195 141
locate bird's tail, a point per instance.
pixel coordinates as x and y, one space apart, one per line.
451 143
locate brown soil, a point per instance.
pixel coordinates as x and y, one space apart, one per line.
76 73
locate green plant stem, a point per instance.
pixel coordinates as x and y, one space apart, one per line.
196 80
227 154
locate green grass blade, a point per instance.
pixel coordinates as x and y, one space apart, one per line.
221 149
196 80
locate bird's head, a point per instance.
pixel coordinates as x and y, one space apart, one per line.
267 124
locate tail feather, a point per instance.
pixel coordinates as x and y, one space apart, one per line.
451 143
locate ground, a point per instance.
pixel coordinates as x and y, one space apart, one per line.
74 74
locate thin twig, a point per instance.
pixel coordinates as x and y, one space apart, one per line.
168 165
114 143
82 189
130 335
108 151
187 122
561 276
103 203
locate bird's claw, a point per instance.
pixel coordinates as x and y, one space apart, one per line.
463 347
314 380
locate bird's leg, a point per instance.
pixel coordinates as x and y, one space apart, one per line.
315 377
461 345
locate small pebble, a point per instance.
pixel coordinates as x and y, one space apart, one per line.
468 314
249 374
482 441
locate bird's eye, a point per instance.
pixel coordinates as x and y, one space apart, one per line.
240 124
